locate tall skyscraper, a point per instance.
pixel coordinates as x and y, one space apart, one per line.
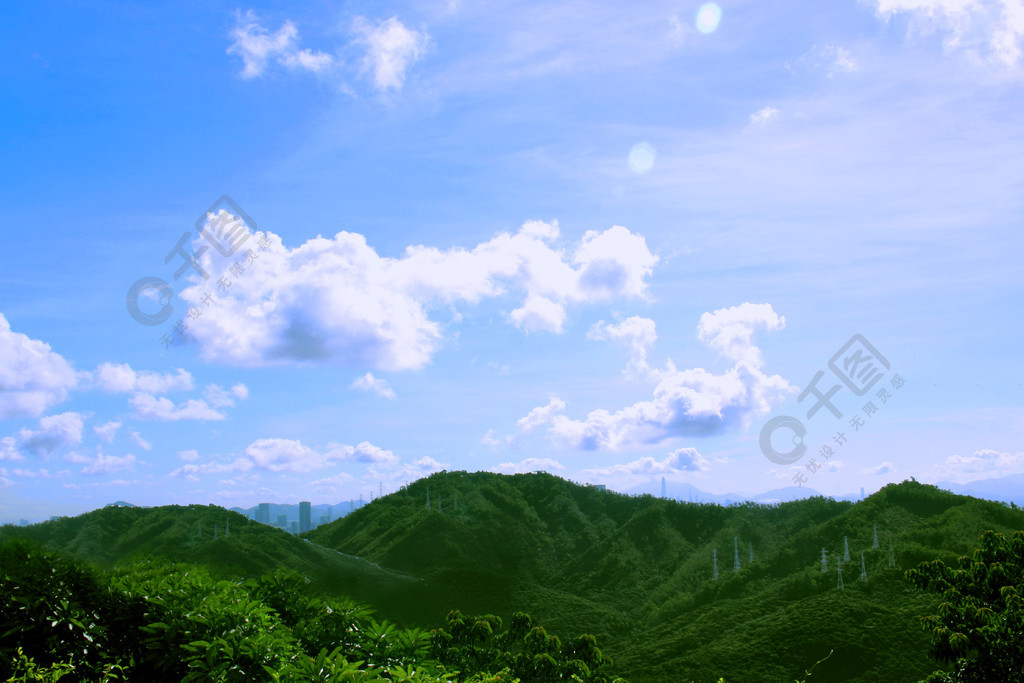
263 513
664 493
305 516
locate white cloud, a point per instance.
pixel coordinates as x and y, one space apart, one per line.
729 330
763 115
218 397
56 433
140 442
102 463
528 465
842 60
391 49
993 28
9 449
374 385
541 415
149 407
688 402
337 301
885 467
122 379
106 431
287 455
256 46
982 464
644 469
191 455
539 313
32 377
639 334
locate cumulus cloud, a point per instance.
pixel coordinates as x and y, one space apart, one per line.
980 465
9 449
122 379
687 402
885 467
991 29
637 333
528 465
149 407
373 385
337 301
391 48
55 433
644 469
257 47
287 455
729 331
32 377
106 431
541 415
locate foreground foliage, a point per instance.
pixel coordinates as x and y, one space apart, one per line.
980 624
61 620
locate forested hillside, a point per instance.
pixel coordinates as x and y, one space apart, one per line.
637 572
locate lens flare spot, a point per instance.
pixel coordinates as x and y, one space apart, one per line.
641 157
708 17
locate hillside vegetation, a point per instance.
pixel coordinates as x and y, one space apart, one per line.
636 572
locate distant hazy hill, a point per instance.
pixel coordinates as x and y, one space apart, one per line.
637 571
1006 489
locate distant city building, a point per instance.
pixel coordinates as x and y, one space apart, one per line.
324 519
600 487
304 516
282 521
263 513
294 528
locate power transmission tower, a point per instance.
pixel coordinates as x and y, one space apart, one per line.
863 568
736 554
751 553
892 556
824 561
874 543
714 559
839 569
846 549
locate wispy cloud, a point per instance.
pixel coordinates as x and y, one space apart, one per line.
258 48
373 385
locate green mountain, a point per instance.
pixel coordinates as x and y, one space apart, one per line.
637 571
114 536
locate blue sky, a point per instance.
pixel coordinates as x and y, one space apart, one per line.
606 240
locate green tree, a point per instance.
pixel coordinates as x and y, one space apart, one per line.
980 624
